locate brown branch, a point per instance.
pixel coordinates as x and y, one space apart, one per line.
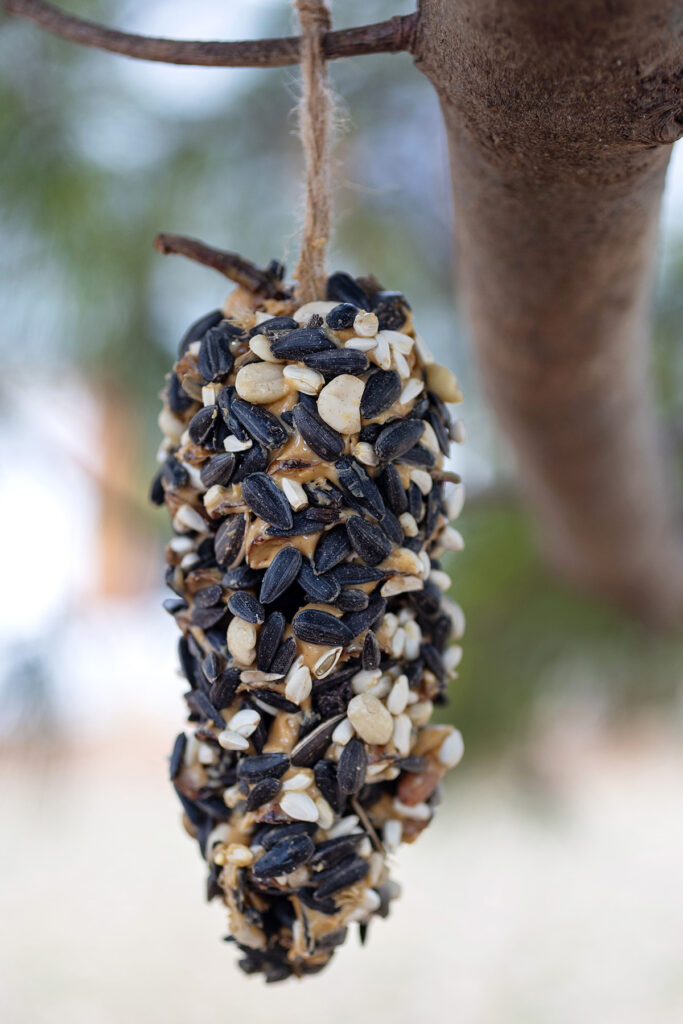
390 36
230 264
557 195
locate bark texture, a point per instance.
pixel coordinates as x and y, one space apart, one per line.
560 118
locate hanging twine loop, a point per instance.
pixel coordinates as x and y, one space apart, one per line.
315 127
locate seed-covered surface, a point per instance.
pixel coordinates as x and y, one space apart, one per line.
304 469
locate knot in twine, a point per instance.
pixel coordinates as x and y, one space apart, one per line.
315 127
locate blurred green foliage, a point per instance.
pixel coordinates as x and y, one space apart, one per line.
97 159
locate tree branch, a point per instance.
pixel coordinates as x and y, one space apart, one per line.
230 264
390 36
556 138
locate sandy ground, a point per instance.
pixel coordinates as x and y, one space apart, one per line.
556 903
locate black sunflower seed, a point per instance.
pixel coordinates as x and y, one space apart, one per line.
269 835
274 326
297 344
411 764
352 767
419 410
215 359
317 434
276 700
177 755
195 814
359 487
284 656
262 793
199 329
174 473
341 287
223 689
328 496
198 701
258 766
428 601
245 606
349 871
322 587
218 469
440 430
352 574
415 506
432 511
226 396
338 360
359 621
370 432
432 660
311 746
368 540
318 627
269 640
253 460
263 426
280 574
326 906
390 308
157 495
265 498
202 424
188 662
372 654
419 456
382 389
242 577
441 632
307 521
310 401
351 600
212 666
205 618
213 889
392 528
331 549
207 597
333 939
325 774
173 605
440 406
285 856
397 438
341 317
332 851
389 483
228 540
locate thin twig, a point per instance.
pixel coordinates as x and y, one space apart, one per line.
230 264
392 36
367 825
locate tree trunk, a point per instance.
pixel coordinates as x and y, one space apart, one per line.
559 119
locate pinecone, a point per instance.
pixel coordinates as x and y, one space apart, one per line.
303 470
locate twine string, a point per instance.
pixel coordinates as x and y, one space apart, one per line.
315 127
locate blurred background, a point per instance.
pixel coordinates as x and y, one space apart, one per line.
549 888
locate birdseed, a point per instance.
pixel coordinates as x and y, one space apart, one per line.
303 466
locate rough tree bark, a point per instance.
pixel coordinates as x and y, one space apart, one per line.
559 118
